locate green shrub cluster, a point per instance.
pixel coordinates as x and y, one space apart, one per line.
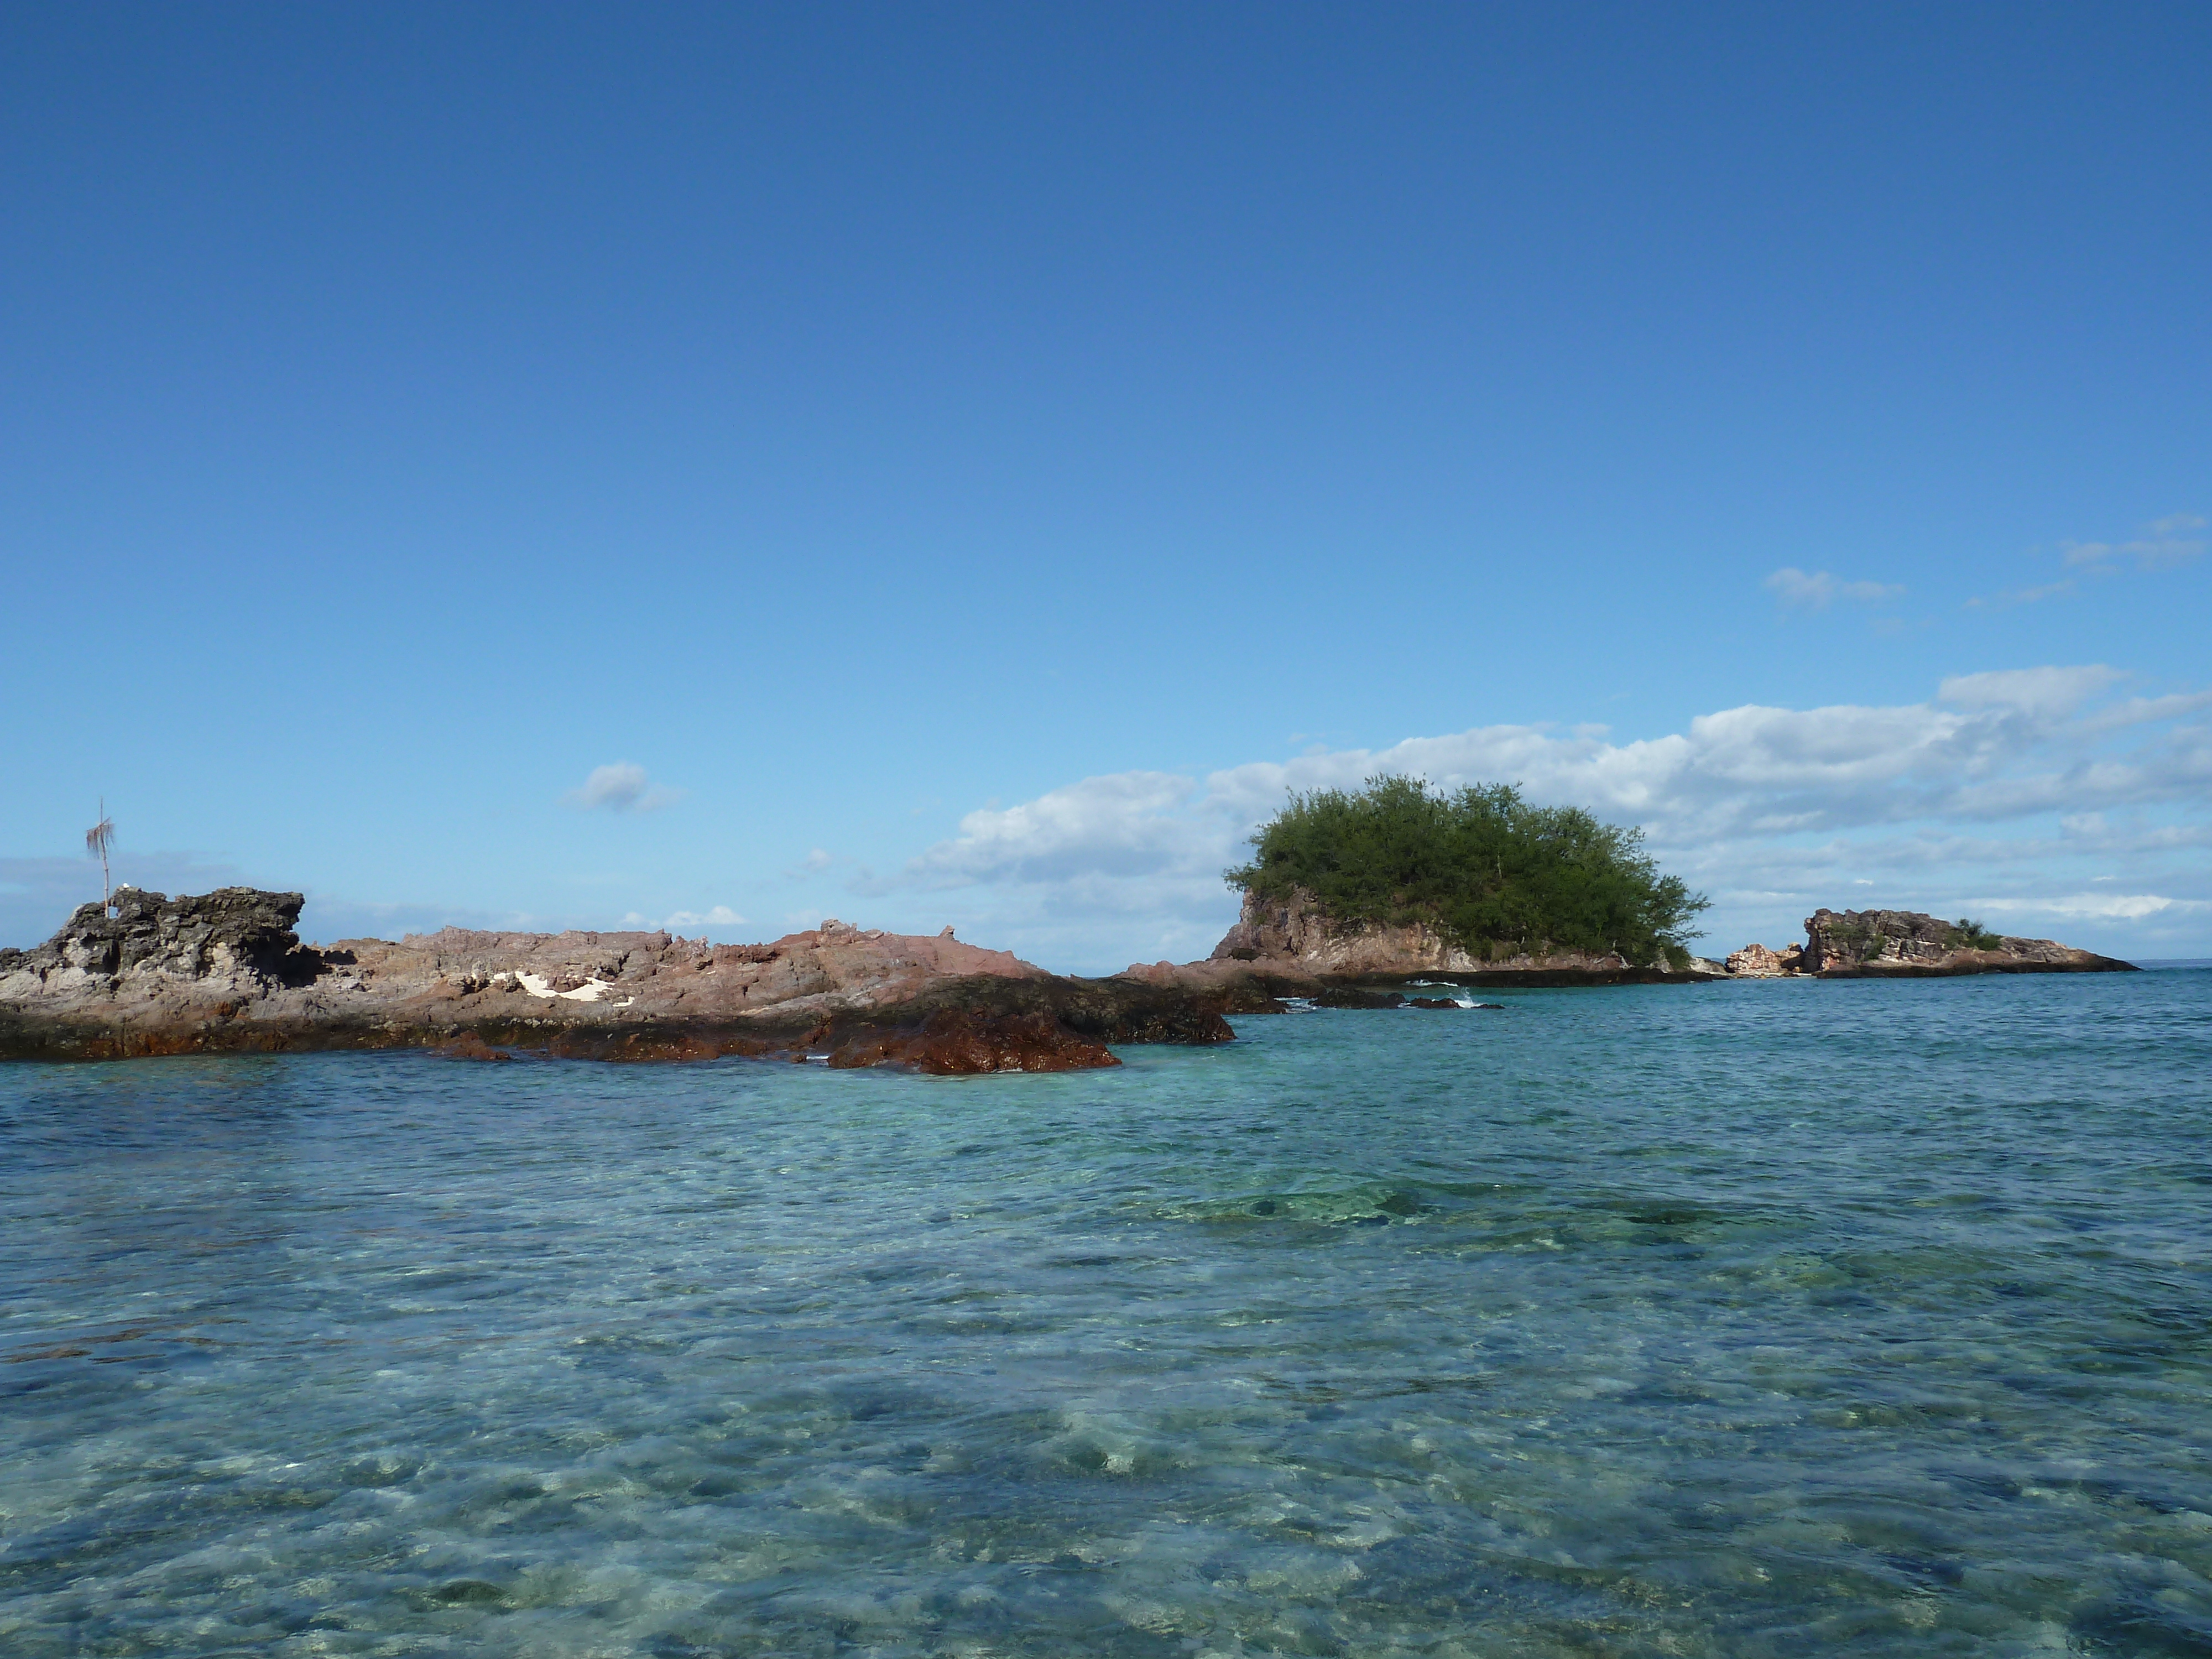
1491 872
1964 935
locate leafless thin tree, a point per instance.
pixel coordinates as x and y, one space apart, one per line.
97 841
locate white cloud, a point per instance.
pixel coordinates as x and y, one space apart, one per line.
720 916
1123 824
2130 907
1773 811
622 787
1819 591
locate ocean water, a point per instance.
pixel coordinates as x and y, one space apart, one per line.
1759 1319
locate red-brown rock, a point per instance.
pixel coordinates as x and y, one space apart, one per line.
227 973
952 1042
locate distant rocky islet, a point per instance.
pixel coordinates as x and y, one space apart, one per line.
1909 945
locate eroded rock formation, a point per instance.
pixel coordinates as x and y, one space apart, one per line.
1757 962
227 971
1862 944
1295 936
236 938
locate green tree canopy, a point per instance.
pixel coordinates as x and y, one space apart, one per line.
1481 865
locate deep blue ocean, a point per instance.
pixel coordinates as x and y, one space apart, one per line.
1754 1318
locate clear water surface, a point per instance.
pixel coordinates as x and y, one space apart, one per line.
1750 1320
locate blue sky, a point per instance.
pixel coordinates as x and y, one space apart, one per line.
560 466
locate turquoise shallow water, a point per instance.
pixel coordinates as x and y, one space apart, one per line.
1746 1320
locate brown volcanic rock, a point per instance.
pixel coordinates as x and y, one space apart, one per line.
227 972
1905 943
1757 962
954 1042
1296 932
1295 938
470 1046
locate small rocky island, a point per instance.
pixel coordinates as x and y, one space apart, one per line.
1911 945
1363 899
1359 893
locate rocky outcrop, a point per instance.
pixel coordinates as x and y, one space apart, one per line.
1757 962
1294 936
233 939
227 971
1865 944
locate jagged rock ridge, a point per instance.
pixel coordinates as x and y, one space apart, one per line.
227 971
238 936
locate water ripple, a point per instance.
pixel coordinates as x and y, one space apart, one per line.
1747 1319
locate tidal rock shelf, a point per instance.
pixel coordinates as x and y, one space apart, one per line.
225 972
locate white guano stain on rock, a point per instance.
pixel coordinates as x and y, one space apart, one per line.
592 990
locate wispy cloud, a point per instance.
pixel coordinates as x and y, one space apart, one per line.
2022 596
2103 907
720 915
2165 544
622 786
2046 694
1792 586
